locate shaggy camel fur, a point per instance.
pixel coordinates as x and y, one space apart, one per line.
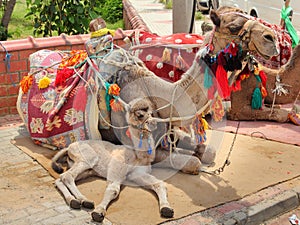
115 163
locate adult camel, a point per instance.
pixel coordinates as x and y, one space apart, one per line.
188 96
286 78
180 101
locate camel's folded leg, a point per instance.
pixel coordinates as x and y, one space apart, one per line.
68 179
111 192
205 153
183 162
247 113
147 180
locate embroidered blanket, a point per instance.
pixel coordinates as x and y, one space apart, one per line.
60 111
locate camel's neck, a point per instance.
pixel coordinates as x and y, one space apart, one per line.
143 145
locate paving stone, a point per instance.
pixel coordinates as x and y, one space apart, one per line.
272 207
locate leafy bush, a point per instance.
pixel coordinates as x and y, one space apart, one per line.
3 33
71 16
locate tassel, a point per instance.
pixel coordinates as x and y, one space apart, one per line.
26 83
256 102
141 140
199 129
166 56
203 52
207 78
149 146
115 105
217 109
263 77
221 76
179 62
44 82
128 134
107 97
164 143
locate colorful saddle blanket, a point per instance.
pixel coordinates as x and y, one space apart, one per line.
55 101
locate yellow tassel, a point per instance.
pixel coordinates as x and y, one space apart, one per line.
205 124
44 82
166 57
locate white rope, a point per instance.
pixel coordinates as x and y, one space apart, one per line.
278 90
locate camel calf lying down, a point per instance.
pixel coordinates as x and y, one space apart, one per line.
116 163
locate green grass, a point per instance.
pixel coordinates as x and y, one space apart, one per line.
20 27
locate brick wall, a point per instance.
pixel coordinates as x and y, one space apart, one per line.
12 71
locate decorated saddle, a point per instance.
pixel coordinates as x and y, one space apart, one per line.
55 100
167 56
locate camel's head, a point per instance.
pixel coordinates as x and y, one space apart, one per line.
231 24
139 114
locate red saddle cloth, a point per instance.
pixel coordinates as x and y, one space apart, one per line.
167 56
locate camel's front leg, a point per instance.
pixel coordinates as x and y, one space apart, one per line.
112 191
143 178
183 162
68 179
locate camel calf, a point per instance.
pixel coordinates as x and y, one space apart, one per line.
116 163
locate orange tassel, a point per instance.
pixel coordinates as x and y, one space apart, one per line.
26 83
115 105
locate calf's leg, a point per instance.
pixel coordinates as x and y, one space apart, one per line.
149 181
112 191
68 179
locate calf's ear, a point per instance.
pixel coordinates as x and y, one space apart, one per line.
215 18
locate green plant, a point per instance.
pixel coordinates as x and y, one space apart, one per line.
112 11
68 16
199 16
169 4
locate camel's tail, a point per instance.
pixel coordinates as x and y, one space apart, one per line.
57 167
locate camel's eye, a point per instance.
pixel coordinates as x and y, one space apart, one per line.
268 37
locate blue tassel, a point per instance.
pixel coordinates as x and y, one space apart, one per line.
141 141
207 78
149 146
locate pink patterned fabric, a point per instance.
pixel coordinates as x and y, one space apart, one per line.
56 115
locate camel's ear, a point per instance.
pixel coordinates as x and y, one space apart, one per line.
236 25
215 18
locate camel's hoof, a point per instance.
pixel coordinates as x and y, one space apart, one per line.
98 217
167 212
75 204
88 204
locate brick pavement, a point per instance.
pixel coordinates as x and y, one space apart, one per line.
27 192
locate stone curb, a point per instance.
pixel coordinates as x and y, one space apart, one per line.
265 210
